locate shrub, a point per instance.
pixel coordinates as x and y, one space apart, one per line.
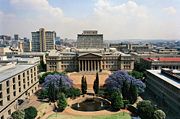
159 114
61 103
30 112
73 92
145 109
19 114
116 101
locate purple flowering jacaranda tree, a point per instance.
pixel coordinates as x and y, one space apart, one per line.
116 79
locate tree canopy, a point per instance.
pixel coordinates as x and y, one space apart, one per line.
115 81
30 112
96 84
145 109
19 114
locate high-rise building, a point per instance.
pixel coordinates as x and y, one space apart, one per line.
43 40
27 45
16 37
90 39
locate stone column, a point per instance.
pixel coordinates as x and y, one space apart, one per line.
92 65
88 66
98 65
82 63
85 68
79 65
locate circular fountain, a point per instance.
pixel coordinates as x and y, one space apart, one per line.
91 104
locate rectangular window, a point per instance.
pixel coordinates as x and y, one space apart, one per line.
24 86
19 83
7 83
14 80
7 90
14 87
23 80
23 74
0 94
14 93
9 112
19 77
19 89
1 102
8 98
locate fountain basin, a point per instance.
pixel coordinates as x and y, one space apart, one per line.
91 104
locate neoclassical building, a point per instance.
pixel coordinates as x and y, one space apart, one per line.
89 56
83 60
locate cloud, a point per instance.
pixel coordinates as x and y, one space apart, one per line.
116 21
129 8
40 6
170 10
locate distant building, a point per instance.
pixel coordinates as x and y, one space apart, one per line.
43 40
128 47
138 56
166 51
16 37
21 46
27 45
17 83
164 87
90 39
158 63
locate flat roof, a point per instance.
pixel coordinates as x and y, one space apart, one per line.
165 78
164 59
7 73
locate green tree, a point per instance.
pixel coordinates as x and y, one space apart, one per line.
136 74
61 103
19 114
125 90
116 101
83 85
30 112
159 114
133 93
73 92
52 92
145 109
42 66
41 78
42 94
96 84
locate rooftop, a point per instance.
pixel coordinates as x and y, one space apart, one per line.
164 59
12 70
169 80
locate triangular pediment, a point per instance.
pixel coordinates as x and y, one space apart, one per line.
90 55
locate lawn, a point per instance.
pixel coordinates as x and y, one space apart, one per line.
113 116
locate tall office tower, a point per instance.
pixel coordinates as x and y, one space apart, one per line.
90 39
43 40
16 37
27 45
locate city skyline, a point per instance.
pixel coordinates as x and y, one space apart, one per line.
116 19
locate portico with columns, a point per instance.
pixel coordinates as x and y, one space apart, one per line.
89 62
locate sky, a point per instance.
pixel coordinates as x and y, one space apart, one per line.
116 19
